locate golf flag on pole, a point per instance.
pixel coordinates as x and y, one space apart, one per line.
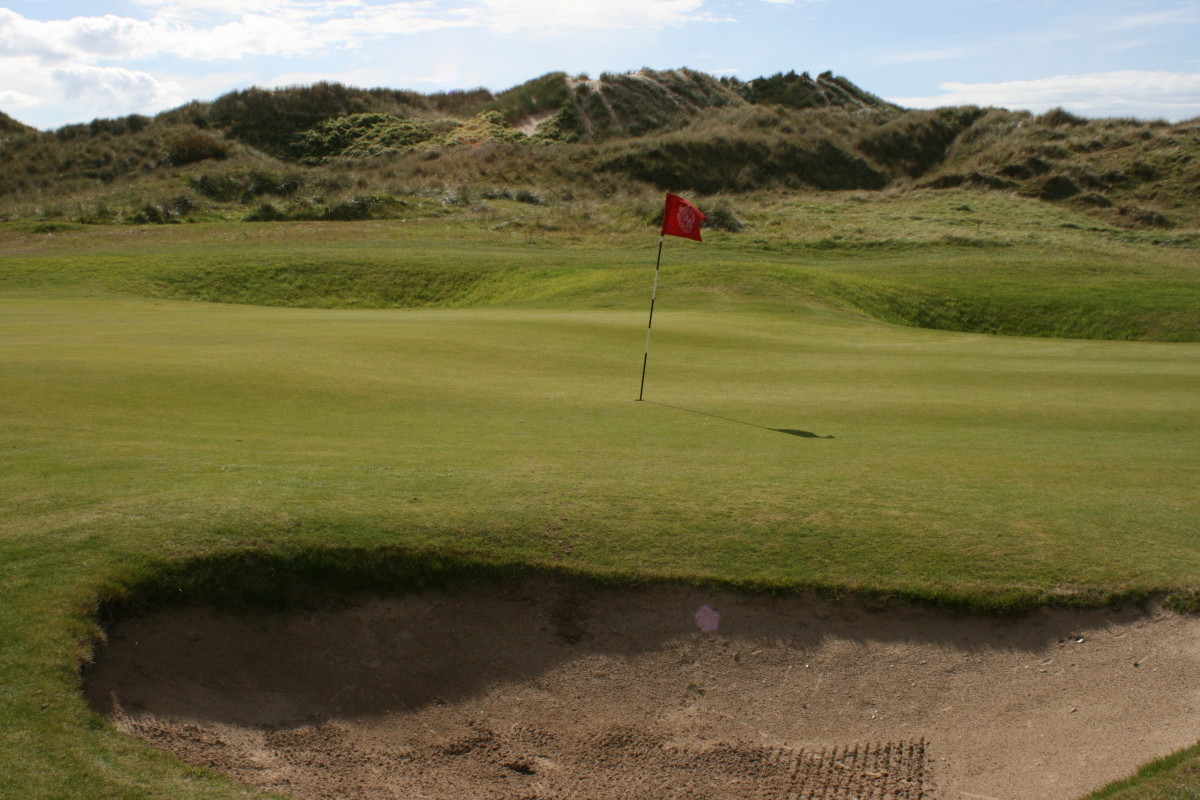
681 218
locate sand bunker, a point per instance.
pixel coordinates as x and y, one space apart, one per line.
556 690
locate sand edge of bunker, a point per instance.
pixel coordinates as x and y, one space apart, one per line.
520 683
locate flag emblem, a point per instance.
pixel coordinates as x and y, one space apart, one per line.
681 218
686 217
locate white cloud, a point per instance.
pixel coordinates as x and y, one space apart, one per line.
90 39
253 34
80 92
14 99
391 19
208 10
95 91
331 20
108 36
1170 95
216 30
73 69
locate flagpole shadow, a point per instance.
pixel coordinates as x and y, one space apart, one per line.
788 431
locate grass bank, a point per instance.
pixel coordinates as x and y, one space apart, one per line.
949 261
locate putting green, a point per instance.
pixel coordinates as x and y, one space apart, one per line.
807 447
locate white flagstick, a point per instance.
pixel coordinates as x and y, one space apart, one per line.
653 292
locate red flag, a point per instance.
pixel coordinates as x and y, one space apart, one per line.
681 218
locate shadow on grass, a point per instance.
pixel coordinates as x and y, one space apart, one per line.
802 434
788 431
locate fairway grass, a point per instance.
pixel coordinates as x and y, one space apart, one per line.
956 466
787 441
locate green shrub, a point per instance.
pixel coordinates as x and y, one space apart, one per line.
192 146
164 212
360 136
801 91
529 196
98 128
564 126
97 214
54 227
721 216
270 119
357 207
1058 187
487 127
266 212
1144 217
1058 117
241 184
460 196
519 195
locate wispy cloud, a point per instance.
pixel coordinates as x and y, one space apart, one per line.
1185 14
1109 33
92 39
208 10
507 16
215 30
157 50
91 63
439 73
13 99
1170 95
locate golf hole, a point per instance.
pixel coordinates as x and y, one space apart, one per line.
548 688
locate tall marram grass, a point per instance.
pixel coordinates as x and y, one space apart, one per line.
746 148
1126 172
669 129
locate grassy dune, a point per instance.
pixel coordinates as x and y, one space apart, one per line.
373 404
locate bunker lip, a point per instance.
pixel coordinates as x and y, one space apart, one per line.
552 688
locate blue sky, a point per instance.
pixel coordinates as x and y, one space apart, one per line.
67 61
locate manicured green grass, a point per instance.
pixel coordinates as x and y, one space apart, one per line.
787 441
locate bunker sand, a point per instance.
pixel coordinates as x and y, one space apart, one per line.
549 689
